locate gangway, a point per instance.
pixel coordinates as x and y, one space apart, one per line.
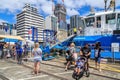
72 36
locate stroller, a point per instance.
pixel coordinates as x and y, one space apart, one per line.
82 71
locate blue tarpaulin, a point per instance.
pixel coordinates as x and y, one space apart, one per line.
9 40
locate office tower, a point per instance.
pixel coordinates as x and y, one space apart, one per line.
30 24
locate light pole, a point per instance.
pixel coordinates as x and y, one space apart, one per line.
105 1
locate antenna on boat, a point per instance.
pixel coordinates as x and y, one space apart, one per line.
105 1
92 11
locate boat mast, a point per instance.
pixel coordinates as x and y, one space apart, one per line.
105 1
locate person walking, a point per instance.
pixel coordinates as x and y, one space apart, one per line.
71 55
97 53
9 51
14 52
4 55
19 54
26 51
75 30
85 52
1 50
37 54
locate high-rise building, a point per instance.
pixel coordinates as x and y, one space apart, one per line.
60 12
51 23
30 24
8 29
68 29
75 22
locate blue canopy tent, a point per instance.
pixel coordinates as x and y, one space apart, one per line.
10 40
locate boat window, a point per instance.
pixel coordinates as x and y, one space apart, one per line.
110 18
90 21
99 22
118 22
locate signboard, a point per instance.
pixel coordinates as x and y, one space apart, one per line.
115 47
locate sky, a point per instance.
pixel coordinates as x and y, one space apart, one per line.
9 8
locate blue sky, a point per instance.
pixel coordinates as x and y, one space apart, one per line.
9 8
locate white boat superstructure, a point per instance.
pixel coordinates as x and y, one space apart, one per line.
101 23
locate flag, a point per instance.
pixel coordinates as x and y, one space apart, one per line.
30 31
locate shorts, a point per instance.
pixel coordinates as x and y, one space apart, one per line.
88 57
97 59
79 67
69 58
75 59
0 52
38 60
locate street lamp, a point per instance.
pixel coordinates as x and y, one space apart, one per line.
105 1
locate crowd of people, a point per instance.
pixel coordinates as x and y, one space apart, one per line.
14 51
79 58
17 52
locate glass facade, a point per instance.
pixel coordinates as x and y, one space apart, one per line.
54 23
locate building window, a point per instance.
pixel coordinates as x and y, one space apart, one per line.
90 22
118 22
110 18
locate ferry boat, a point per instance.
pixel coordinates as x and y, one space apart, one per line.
101 23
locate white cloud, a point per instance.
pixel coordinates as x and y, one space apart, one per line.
1 20
46 5
72 6
117 2
14 5
71 12
76 5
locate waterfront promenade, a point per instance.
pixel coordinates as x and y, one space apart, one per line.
54 70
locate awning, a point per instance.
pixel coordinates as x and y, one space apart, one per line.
11 37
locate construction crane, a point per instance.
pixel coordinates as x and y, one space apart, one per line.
111 6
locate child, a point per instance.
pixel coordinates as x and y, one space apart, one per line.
98 50
79 65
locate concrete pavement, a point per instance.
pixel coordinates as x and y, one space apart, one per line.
54 68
